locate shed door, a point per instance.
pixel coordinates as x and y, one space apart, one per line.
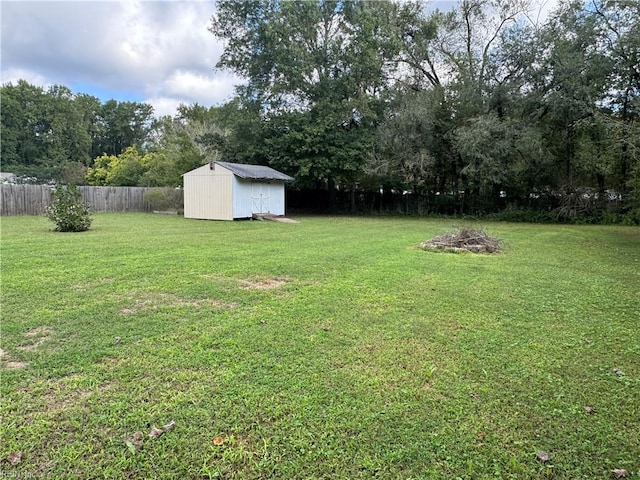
260 197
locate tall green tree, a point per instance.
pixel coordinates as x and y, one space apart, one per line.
121 125
576 88
181 143
316 73
23 125
619 39
451 102
68 139
44 133
413 150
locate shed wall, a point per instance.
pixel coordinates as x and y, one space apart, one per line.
241 198
245 203
276 202
208 194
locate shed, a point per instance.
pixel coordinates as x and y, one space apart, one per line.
227 191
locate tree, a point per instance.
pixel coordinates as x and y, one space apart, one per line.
451 102
121 125
574 88
23 149
182 143
619 40
68 139
124 170
244 132
44 133
89 108
316 74
161 170
413 151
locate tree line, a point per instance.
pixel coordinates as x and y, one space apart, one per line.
55 135
475 110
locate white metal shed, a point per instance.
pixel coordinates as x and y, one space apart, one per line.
226 191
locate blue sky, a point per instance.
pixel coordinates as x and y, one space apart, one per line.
158 52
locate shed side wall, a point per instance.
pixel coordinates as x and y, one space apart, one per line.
208 194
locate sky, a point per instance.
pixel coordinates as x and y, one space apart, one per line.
153 51
159 52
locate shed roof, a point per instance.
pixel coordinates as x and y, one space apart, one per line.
256 172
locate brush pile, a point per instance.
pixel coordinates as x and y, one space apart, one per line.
465 239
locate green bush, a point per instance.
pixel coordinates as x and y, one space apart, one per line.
164 199
631 218
68 210
513 213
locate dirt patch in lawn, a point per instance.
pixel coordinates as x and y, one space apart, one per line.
63 394
262 283
155 301
14 365
90 285
6 362
36 336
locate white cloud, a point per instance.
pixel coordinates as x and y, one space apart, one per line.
188 87
12 75
164 105
195 85
155 50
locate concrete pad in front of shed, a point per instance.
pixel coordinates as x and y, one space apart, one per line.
273 218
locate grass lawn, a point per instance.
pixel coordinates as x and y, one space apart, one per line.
333 348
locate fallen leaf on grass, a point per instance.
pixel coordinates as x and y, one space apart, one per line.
544 457
169 426
589 410
156 432
217 441
480 435
14 458
620 473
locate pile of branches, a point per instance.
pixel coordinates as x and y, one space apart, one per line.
465 239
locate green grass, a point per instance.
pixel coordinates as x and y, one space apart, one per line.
359 356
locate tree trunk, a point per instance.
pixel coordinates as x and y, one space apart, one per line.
331 185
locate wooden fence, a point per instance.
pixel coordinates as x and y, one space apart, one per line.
33 199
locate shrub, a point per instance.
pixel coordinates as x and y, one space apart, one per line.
513 213
631 218
68 210
164 199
